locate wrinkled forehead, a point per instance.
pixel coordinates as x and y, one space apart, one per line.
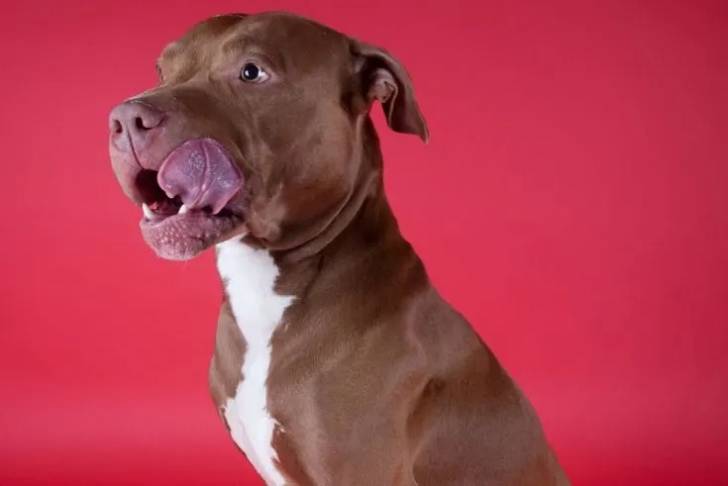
288 41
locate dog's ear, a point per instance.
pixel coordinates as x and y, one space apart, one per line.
383 78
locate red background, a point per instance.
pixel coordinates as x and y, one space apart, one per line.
573 203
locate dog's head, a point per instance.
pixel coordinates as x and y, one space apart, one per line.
259 125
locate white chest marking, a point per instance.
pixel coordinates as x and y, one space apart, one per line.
249 277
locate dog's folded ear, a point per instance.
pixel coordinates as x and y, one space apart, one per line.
383 78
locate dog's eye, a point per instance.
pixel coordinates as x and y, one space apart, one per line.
252 73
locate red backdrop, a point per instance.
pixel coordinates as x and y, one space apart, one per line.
573 203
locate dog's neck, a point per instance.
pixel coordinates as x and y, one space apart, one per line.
366 227
365 224
366 195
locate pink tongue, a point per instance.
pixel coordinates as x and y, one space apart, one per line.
201 173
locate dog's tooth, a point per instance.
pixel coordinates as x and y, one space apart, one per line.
183 209
148 213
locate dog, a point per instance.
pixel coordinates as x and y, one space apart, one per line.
336 362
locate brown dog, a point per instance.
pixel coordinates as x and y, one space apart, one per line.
336 362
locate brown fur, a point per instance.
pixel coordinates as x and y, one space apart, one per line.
374 379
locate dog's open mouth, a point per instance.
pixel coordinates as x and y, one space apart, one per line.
186 204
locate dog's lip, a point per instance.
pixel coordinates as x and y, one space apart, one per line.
190 215
182 236
196 198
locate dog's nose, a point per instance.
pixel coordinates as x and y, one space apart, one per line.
132 124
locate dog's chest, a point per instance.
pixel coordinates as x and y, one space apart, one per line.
249 276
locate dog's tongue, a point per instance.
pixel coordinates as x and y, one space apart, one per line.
201 173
